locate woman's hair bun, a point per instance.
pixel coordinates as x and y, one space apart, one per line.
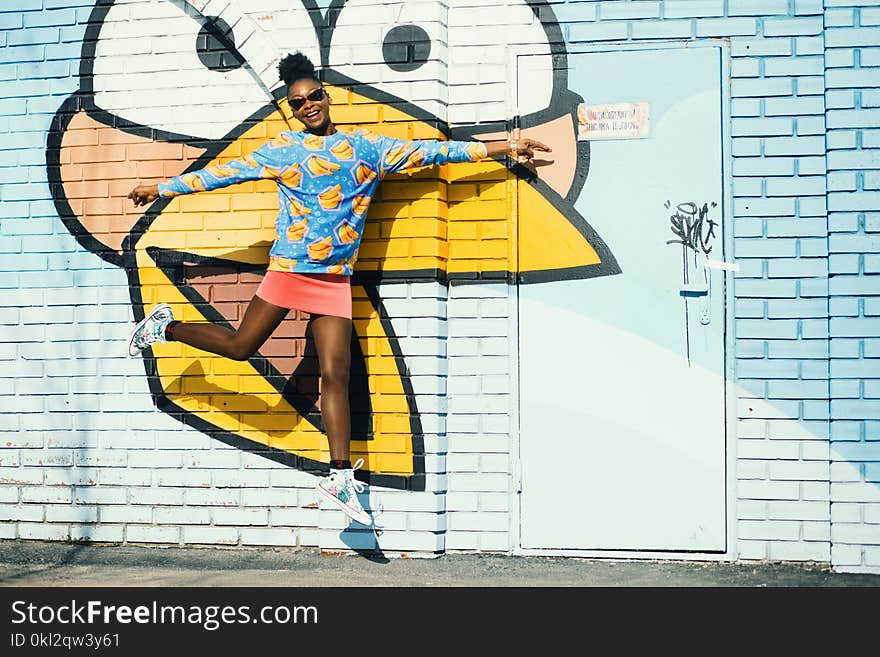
295 67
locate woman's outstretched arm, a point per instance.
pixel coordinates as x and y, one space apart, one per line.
259 165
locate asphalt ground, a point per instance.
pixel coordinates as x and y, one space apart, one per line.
56 564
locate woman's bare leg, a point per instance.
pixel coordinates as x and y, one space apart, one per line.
260 319
332 336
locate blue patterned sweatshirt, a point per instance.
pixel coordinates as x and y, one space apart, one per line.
324 188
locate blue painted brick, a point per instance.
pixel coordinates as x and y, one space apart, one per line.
765 288
854 285
693 8
850 327
872 264
745 67
24 192
11 21
794 146
628 10
745 107
748 227
749 348
809 248
756 7
816 410
793 26
43 70
813 45
24 140
764 207
764 328
840 98
763 166
801 227
839 18
16 54
844 307
810 125
803 349
750 308
762 127
45 226
865 159
761 87
797 267
813 287
793 106
814 206
745 146
795 308
765 248
842 181
815 369
810 85
839 58
50 18
846 263
855 118
760 47
811 165
845 389
721 27
800 186
849 368
847 36
852 78
767 369
804 7
778 66
665 29
748 187
863 200
33 36
614 31
797 389
870 56
854 409
841 430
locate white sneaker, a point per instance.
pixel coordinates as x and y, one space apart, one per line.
150 330
341 488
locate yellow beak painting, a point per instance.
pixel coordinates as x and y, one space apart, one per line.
204 254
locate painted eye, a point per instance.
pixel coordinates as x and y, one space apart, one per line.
402 48
169 67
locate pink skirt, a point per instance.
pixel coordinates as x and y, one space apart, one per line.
318 294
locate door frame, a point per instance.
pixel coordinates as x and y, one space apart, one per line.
730 552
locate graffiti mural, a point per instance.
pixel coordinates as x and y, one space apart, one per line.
172 86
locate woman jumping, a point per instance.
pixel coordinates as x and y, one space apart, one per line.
326 178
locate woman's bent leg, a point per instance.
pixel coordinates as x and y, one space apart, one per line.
260 319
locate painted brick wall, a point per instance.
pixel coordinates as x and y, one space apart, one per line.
852 78
805 188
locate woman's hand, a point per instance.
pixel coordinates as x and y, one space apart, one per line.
143 194
523 149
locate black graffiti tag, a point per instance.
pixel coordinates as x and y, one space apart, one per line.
692 226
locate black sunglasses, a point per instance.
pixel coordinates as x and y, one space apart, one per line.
315 96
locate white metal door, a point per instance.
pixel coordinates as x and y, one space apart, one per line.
622 377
